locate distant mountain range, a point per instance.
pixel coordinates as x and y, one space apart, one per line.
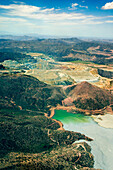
19 38
35 36
61 49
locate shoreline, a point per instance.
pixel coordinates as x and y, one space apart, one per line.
105 121
73 109
57 121
104 118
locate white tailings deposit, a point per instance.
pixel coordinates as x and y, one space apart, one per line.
102 144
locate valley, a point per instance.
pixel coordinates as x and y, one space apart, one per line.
38 77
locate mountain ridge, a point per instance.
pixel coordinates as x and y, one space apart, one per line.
87 96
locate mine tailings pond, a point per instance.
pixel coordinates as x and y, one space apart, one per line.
102 144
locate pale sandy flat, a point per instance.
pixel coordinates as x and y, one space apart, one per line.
104 120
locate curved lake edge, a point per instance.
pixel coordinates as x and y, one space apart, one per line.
103 117
59 122
102 144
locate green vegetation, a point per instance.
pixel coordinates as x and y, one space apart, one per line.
28 93
32 134
24 128
80 61
19 57
90 104
24 100
24 133
69 157
2 67
112 106
104 73
60 49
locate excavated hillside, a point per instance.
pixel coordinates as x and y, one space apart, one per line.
87 96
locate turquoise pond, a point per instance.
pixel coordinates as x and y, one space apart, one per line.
102 144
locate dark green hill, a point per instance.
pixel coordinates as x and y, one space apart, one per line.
15 56
28 93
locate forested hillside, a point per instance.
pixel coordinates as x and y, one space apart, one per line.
69 49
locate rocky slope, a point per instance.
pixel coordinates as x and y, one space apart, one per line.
87 96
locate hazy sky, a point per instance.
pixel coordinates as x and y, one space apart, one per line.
75 18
